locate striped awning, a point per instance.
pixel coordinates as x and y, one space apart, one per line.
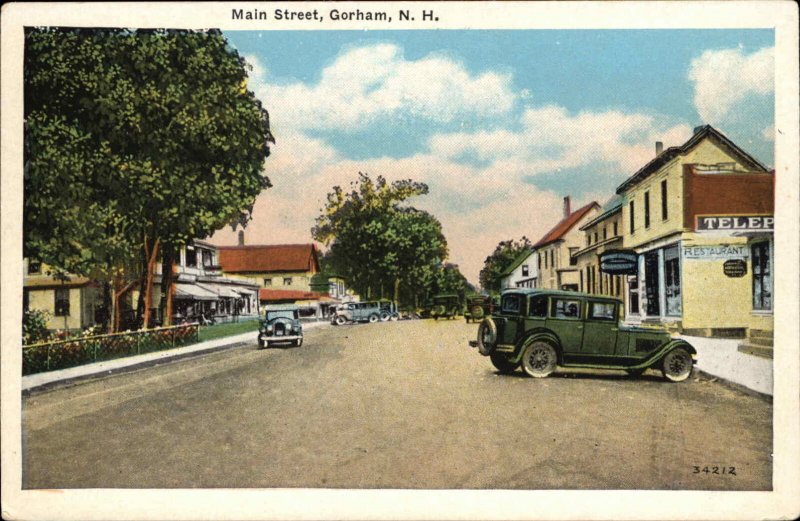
193 292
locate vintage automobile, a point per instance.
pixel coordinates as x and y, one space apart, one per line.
389 310
478 306
281 325
542 329
357 312
446 306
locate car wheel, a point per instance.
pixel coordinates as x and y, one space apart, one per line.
502 364
340 320
677 365
487 336
373 318
395 317
384 316
539 359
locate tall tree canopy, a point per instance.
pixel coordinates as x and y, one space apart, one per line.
501 258
135 139
382 247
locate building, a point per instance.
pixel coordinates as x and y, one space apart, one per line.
555 262
71 302
603 233
522 273
699 218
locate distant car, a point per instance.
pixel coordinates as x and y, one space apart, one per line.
281 325
542 329
358 312
478 307
388 310
446 306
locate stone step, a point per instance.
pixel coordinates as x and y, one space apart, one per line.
761 333
757 350
760 341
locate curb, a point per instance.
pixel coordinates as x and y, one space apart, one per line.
730 384
40 382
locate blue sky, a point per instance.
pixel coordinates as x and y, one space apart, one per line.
483 114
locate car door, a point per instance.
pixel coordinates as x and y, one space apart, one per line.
512 309
565 319
600 328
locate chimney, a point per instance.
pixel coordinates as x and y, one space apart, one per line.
241 237
659 147
566 207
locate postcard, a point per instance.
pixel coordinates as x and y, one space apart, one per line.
400 260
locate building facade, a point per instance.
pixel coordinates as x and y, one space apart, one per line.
522 273
71 302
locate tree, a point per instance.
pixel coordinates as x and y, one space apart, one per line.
137 142
501 258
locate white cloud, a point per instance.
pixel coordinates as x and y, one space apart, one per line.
724 78
365 84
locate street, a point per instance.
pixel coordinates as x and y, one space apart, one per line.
391 405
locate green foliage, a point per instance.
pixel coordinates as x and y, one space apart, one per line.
34 326
382 248
504 254
133 133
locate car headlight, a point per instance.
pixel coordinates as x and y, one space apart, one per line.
269 328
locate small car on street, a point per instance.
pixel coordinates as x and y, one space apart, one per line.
543 329
446 306
359 312
281 325
389 310
478 307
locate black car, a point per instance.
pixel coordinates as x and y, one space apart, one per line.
281 325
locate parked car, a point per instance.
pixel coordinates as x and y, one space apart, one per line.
542 329
281 325
446 306
478 307
357 312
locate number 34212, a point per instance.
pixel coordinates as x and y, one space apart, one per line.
714 470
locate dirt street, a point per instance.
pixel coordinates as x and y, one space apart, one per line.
398 405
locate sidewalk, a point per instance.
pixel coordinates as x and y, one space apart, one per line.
128 363
720 357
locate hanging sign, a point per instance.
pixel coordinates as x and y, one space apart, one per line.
716 252
749 223
619 262
735 268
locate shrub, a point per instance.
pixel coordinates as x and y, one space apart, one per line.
34 326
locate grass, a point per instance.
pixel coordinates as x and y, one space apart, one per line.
229 329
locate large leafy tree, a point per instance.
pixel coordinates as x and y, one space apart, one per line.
501 258
383 247
137 142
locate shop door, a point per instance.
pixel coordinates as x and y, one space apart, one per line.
651 284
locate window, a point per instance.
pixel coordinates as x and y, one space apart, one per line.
524 270
552 258
588 279
588 239
34 267
616 232
539 257
633 295
511 304
595 237
647 209
538 307
605 233
287 281
762 279
191 257
664 213
62 302
267 282
602 311
633 227
672 283
545 260
580 272
565 308
208 259
573 260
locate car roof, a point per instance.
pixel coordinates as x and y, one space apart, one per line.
287 307
558 293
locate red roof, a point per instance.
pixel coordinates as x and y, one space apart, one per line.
268 258
288 294
566 224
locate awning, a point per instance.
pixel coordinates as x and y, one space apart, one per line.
219 290
193 292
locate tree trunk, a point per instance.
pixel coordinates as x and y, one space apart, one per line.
146 294
167 283
108 304
397 289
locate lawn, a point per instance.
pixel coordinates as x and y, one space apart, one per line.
229 329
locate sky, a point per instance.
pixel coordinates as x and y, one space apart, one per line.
501 125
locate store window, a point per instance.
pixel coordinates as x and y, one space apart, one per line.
633 295
762 276
672 282
62 302
651 286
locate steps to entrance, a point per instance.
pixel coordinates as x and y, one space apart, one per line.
758 343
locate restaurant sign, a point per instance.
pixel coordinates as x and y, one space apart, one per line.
716 252
746 223
618 262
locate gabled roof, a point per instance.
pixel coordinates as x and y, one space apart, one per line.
268 258
517 261
667 155
613 206
565 225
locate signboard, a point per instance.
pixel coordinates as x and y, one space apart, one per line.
716 252
735 268
709 223
619 262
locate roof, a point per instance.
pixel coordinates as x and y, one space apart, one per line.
268 258
565 225
517 261
613 206
667 155
288 294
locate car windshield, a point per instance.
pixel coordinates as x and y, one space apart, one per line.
288 313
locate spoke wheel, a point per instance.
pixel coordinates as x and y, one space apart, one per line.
677 365
487 336
539 359
340 320
373 319
502 364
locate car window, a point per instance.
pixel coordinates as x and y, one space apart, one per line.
602 310
280 314
511 303
538 307
565 308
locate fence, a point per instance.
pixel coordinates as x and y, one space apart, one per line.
60 354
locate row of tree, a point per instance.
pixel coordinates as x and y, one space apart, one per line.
385 248
504 254
136 142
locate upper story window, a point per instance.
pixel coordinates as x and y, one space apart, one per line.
287 281
191 257
552 258
573 260
664 210
34 267
524 270
647 209
605 233
267 282
545 260
595 237
208 258
632 216
588 239
616 230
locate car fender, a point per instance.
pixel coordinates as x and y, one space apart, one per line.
534 335
656 357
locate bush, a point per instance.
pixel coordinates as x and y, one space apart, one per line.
34 326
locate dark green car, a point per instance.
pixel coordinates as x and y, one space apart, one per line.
478 307
542 329
446 306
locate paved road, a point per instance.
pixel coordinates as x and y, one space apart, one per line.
399 405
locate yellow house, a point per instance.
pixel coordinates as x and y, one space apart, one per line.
555 252
603 233
72 303
699 217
